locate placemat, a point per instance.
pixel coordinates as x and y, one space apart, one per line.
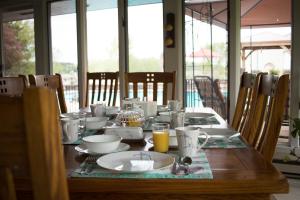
199 162
224 142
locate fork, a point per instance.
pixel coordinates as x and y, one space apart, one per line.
87 164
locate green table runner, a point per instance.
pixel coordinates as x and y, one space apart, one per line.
200 162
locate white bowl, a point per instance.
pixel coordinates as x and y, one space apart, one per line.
102 143
95 122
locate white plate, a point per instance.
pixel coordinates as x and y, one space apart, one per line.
135 161
83 149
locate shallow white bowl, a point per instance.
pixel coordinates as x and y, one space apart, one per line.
95 122
102 143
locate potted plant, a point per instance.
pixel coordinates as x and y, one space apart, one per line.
295 132
296 127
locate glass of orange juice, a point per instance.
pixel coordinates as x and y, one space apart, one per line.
160 133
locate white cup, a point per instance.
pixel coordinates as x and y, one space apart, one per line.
98 110
70 129
187 139
174 105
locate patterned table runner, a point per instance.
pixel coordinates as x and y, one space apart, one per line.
200 167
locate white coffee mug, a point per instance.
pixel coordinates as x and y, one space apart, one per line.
98 110
187 139
70 129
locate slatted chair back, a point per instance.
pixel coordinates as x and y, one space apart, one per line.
263 128
31 147
210 94
103 86
148 79
249 84
12 86
54 82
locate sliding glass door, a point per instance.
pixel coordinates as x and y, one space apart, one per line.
206 55
64 49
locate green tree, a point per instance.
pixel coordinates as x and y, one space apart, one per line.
19 47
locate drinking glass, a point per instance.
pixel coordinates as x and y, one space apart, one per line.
82 121
160 133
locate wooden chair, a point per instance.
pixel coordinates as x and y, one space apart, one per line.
110 80
31 147
210 94
249 84
154 78
12 86
51 81
263 127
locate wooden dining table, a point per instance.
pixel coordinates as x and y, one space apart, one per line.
238 174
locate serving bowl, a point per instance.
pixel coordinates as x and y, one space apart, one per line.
102 143
94 123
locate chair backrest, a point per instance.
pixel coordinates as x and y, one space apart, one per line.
12 86
31 148
263 127
210 94
149 78
102 82
249 84
51 81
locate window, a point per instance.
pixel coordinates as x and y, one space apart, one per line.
18 39
102 35
145 35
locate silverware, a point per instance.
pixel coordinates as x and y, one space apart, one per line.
87 165
183 165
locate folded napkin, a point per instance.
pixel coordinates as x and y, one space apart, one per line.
127 133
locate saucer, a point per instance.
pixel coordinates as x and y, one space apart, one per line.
83 149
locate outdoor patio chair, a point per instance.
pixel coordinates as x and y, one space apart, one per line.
210 94
104 86
151 78
31 149
51 81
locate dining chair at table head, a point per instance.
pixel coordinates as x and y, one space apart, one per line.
148 78
12 86
210 94
263 128
51 81
31 147
245 102
103 86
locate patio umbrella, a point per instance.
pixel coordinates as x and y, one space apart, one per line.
253 12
